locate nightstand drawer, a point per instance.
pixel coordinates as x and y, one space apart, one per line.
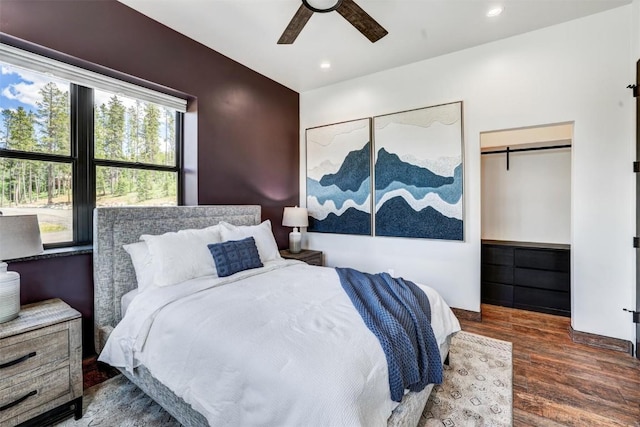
41 365
32 351
33 393
306 255
315 259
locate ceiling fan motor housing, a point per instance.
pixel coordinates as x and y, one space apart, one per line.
315 9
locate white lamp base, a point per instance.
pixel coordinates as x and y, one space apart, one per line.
295 241
9 294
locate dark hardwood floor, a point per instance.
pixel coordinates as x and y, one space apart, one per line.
555 381
94 372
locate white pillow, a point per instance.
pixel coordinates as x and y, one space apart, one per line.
181 256
141 259
262 234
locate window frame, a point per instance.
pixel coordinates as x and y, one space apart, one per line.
84 164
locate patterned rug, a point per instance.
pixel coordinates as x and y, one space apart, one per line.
477 391
477 388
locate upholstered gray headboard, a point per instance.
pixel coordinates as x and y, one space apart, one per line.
113 273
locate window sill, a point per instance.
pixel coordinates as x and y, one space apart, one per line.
56 253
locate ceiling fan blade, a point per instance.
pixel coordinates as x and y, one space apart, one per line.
296 25
360 19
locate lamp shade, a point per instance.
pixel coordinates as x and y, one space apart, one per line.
19 237
295 217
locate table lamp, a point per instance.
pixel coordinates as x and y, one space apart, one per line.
295 217
19 237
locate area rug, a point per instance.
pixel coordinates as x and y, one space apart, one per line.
477 388
477 391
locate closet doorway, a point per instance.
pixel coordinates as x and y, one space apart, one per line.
526 218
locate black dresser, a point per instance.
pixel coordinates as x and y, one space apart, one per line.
530 276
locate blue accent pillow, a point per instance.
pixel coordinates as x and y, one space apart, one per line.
233 256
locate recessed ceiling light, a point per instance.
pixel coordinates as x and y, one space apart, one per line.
495 11
325 65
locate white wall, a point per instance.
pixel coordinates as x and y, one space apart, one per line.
530 202
575 72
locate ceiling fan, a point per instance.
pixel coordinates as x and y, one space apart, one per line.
347 8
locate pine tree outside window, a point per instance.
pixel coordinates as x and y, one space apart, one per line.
130 133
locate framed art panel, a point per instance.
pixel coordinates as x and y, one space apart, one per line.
339 177
418 173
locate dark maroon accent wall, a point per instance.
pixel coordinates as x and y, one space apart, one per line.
69 278
242 127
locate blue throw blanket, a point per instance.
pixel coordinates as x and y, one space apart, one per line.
399 315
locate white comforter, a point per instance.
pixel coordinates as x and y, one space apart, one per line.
277 346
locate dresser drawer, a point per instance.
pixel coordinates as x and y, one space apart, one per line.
542 279
33 393
31 351
543 300
496 293
497 274
544 259
497 255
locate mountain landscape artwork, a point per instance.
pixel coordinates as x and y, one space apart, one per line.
418 173
339 178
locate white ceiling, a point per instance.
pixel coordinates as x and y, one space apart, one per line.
247 31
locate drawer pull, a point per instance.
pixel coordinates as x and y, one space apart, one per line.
18 401
19 360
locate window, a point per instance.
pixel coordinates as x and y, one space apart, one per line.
130 134
66 147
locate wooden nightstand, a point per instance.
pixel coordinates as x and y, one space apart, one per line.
306 255
41 365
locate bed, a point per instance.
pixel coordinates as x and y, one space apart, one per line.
114 277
